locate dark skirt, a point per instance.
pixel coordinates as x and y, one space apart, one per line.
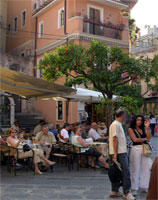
92 152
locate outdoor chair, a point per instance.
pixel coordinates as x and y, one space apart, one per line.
62 152
10 153
77 155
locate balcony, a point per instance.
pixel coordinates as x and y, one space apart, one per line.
108 30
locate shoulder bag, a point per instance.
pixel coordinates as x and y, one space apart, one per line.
147 149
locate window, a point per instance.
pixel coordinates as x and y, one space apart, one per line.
35 6
41 29
22 54
15 24
9 27
23 18
61 17
59 110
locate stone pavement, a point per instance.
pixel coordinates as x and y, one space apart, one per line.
86 184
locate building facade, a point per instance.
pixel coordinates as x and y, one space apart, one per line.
147 46
36 27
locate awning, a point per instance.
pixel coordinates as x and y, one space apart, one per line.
86 95
30 87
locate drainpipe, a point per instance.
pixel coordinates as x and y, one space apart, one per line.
65 13
35 46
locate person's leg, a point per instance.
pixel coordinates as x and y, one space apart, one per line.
102 160
35 161
135 163
144 173
123 160
39 154
47 154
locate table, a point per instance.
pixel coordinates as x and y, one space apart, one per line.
103 148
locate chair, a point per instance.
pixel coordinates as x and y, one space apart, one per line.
77 155
63 153
12 154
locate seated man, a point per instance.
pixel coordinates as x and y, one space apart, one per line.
102 130
38 128
94 134
53 130
16 126
63 134
46 139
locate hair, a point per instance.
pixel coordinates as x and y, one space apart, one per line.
133 122
76 128
66 125
16 121
42 121
119 113
11 129
83 122
151 116
45 126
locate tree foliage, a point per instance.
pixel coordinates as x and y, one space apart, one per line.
105 69
99 66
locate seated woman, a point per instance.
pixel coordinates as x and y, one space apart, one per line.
38 154
87 151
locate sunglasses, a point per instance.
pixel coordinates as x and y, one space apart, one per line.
139 120
13 132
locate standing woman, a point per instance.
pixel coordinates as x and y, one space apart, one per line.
139 133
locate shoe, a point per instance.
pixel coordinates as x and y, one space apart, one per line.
144 190
38 173
50 164
115 194
134 192
129 196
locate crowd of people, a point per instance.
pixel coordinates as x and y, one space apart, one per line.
82 135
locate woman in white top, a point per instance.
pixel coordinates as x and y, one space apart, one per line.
86 150
38 154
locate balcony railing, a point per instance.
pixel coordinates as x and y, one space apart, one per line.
103 29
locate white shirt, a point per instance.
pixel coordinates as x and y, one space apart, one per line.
153 120
116 129
65 134
93 134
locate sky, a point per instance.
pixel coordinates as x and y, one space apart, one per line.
145 12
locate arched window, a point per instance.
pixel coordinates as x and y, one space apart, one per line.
61 17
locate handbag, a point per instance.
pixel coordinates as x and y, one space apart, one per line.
115 174
147 149
26 147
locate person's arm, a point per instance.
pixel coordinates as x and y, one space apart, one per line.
13 143
147 129
2 141
134 138
115 146
82 142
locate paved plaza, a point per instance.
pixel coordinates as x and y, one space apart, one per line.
60 184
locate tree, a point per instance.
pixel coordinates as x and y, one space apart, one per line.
133 91
99 67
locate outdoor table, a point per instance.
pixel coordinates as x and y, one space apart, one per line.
103 148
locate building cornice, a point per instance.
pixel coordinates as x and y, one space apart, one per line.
44 7
111 3
83 37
